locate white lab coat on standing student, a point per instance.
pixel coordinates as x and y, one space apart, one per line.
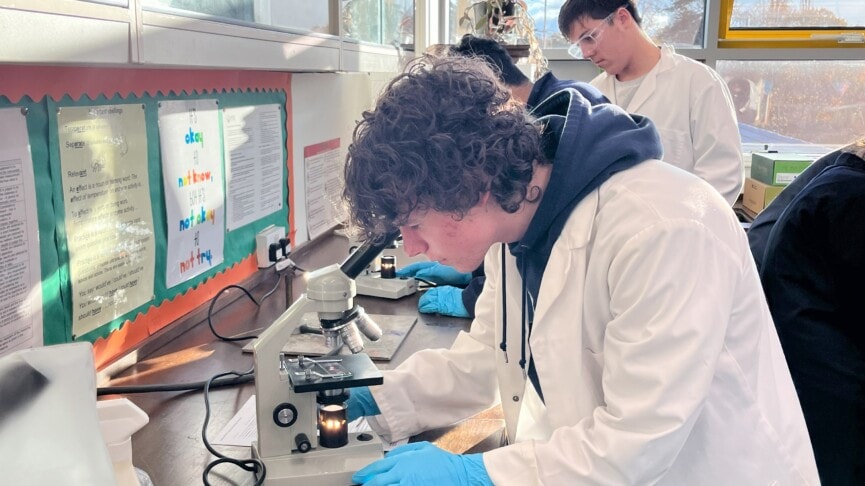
656 353
694 113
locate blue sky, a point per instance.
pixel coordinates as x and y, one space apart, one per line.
551 7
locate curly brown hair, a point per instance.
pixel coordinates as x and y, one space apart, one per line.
443 133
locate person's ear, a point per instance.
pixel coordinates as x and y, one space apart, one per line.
624 17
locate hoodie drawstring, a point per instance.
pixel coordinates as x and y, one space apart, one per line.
523 320
504 344
528 315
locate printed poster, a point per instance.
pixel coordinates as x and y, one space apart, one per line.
189 137
21 292
322 164
109 224
253 162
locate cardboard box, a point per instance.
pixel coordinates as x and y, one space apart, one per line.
778 169
758 195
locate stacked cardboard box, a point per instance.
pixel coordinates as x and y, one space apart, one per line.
770 173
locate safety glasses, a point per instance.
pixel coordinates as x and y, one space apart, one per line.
590 39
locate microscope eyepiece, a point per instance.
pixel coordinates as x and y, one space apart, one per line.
364 255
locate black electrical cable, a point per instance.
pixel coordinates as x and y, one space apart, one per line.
295 267
193 386
255 466
251 297
198 385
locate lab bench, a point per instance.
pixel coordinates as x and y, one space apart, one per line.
170 447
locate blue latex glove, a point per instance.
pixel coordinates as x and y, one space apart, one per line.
444 300
421 463
361 404
435 272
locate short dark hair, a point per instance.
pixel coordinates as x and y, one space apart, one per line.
493 54
574 10
442 134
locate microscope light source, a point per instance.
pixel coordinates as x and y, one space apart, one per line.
332 426
388 266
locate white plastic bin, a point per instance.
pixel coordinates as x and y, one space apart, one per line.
118 420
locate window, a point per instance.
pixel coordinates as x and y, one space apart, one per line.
544 15
797 105
292 14
676 22
305 35
387 22
792 23
785 71
756 14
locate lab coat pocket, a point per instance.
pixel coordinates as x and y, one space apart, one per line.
678 148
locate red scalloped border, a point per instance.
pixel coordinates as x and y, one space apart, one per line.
17 81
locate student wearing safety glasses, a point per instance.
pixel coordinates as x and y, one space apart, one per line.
687 100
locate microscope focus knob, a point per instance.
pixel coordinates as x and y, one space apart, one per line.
302 442
285 415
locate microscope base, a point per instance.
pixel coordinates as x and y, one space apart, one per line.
387 288
321 466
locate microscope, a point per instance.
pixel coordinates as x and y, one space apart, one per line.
303 434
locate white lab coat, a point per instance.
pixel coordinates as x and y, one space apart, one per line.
655 350
694 113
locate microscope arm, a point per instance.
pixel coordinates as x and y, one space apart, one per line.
272 387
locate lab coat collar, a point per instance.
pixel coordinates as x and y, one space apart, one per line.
647 88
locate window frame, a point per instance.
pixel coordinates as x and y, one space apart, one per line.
781 38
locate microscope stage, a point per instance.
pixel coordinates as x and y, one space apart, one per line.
333 373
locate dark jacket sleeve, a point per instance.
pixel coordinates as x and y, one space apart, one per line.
473 290
758 233
812 277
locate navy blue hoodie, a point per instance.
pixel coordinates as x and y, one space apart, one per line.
586 144
547 85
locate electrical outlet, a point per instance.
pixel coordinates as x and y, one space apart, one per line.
266 237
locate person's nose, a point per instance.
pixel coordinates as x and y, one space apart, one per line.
413 245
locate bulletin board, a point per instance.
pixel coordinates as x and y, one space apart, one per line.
165 303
